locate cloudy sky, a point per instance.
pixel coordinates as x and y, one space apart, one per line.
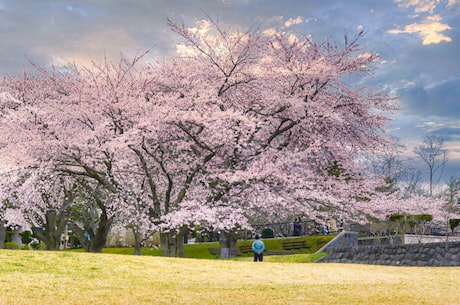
419 43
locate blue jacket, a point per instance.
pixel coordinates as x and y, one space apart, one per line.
258 246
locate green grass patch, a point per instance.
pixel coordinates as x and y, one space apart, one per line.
201 250
130 251
291 258
314 243
294 258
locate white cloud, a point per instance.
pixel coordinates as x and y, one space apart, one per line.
292 22
269 32
420 6
430 30
110 43
183 50
453 147
203 27
430 126
311 19
293 38
408 84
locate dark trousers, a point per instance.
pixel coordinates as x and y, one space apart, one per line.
258 256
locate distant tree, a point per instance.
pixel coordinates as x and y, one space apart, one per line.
452 197
454 223
431 151
412 177
390 165
452 190
412 204
396 226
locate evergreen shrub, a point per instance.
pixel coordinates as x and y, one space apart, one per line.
268 233
11 245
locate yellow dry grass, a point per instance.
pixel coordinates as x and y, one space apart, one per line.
29 277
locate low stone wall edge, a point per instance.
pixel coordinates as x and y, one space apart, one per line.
423 254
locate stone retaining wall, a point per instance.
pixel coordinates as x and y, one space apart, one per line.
426 254
344 239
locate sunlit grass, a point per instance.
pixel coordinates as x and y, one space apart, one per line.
294 258
39 277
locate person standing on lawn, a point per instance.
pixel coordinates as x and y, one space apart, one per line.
297 227
258 248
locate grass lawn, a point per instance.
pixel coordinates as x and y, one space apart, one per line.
42 277
201 250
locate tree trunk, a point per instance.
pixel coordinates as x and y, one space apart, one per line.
81 235
228 244
52 234
53 230
99 239
94 240
2 233
172 243
137 242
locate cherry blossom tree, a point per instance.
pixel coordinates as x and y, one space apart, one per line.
4 205
241 123
303 118
52 123
9 215
44 200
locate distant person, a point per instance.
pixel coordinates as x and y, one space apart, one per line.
332 225
186 237
211 235
297 227
258 248
325 230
